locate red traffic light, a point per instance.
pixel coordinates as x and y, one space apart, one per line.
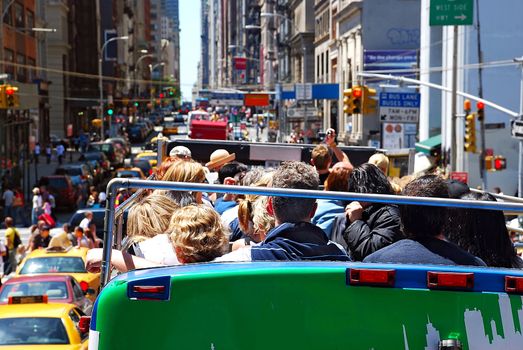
356 92
500 163
10 91
161 95
480 105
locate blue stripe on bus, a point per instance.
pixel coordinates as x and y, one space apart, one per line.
407 276
93 314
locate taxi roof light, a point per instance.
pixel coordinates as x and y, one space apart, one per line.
27 299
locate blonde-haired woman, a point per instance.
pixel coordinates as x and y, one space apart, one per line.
198 234
195 234
184 171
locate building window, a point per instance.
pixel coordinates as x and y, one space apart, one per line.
9 57
9 17
21 74
19 16
32 71
31 22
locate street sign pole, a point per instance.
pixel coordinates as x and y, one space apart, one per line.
453 138
520 166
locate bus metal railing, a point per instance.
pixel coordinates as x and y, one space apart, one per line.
500 196
115 184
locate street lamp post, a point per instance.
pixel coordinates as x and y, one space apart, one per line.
100 80
136 69
151 69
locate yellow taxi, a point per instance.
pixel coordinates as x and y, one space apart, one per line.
30 323
170 129
150 156
130 173
69 261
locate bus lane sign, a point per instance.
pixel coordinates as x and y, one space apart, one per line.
399 107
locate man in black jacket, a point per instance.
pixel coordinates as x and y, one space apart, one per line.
367 227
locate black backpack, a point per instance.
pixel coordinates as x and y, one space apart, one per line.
16 241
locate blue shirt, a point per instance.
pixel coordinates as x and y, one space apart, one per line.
325 214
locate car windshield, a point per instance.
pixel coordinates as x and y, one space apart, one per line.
53 264
53 290
32 330
57 182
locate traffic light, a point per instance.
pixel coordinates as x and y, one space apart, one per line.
348 105
11 96
481 111
357 94
161 95
369 104
495 163
500 163
136 104
171 92
110 110
488 163
470 133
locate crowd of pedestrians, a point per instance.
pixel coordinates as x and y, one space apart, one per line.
173 227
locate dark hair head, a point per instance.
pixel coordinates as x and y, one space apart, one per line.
368 178
482 232
297 175
232 169
421 221
78 228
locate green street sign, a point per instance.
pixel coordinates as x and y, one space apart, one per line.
451 12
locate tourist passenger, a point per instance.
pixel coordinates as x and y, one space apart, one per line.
329 209
294 237
181 152
321 155
381 161
81 239
423 226
196 234
367 227
483 233
231 174
188 171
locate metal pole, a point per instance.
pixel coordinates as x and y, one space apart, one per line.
100 88
453 136
117 183
482 168
442 88
520 166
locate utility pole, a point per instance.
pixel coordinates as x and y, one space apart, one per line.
482 153
453 139
520 166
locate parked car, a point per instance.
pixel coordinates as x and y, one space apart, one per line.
58 288
116 155
97 157
79 173
62 188
125 146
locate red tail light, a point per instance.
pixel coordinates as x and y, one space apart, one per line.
84 323
84 285
514 284
450 280
149 289
372 277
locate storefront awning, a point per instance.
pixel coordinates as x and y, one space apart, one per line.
429 145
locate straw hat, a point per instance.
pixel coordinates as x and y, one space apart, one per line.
219 158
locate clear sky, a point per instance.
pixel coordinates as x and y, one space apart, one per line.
189 45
